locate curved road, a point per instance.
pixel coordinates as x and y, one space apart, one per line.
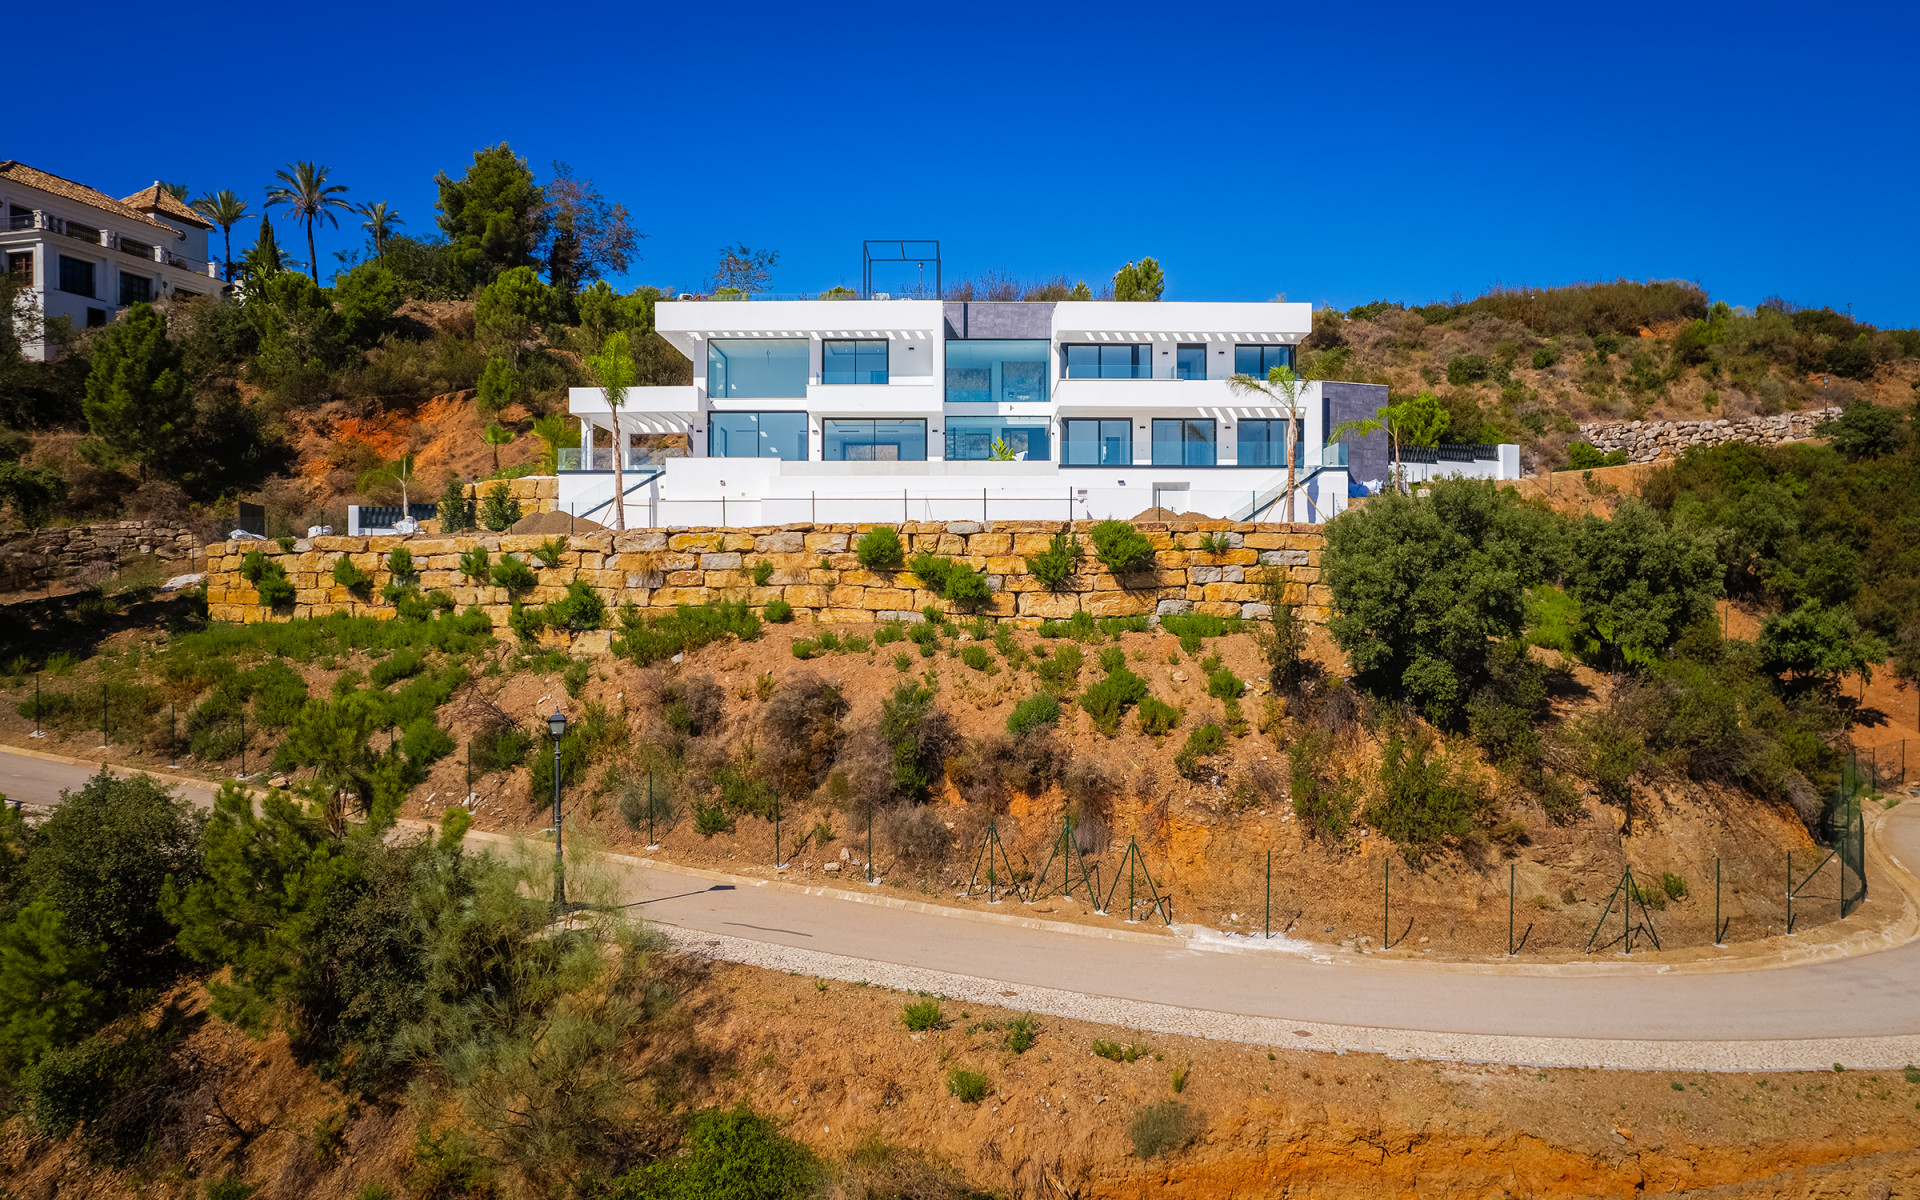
1862 1010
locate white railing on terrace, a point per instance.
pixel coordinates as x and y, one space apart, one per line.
574 459
1318 497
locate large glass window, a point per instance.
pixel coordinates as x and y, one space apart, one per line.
757 435
757 368
851 361
971 439
1190 362
1096 443
135 289
987 371
1109 362
1183 442
76 276
880 440
1263 443
1258 360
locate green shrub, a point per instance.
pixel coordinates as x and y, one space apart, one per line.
1424 802
709 819
920 736
1061 670
1115 626
880 549
1121 548
1117 1052
1112 659
1215 543
951 580
969 1087
446 1166
903 662
1057 563
1162 1128
762 571
229 1187
1107 701
1467 368
456 508
500 749
1675 886
727 1154
1191 627
976 656
498 509
651 638
550 551
1544 357
888 633
348 576
1223 684
922 1015
1021 1033
404 664
779 612
514 575
1038 711
1324 802
1202 743
473 564
1157 717
857 644
400 565
269 579
1582 456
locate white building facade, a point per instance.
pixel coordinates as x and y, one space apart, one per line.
82 255
885 410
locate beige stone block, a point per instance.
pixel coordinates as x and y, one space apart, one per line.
846 596
1236 592
1004 564
846 616
680 579
676 561
1048 604
827 543
805 595
729 579
887 598
699 543
1214 608
591 543
990 544
1120 604
737 541
670 596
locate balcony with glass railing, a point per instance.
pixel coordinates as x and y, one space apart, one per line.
576 460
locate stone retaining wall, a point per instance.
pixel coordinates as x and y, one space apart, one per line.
812 567
1649 441
80 551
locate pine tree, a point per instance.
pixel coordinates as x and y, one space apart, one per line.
137 404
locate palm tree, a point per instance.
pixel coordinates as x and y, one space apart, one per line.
553 432
308 196
399 471
1282 387
224 209
613 369
496 435
379 224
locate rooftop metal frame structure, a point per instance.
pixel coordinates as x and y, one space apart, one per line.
897 250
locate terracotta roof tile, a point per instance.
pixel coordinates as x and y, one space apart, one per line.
79 193
157 198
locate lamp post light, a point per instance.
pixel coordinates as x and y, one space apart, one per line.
557 726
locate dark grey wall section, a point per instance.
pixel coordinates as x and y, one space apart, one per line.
998 319
1367 457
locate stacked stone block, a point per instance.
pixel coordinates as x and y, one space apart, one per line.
813 568
1650 441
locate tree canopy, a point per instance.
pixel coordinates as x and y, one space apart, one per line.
494 214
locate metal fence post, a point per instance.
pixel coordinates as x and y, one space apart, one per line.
1716 901
869 841
1269 893
36 705
1386 907
1510 877
1789 893
243 743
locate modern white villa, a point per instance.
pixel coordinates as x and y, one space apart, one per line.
83 255
880 409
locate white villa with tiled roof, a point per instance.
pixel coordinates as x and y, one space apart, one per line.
84 255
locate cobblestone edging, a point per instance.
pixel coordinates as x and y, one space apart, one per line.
811 567
1649 441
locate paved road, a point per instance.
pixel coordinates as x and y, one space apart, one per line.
1875 995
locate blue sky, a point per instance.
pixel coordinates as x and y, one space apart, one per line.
1333 153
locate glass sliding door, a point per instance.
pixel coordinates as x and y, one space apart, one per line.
757 368
1096 443
847 360
1183 442
990 371
1108 362
757 435
873 441
1257 361
1190 362
972 439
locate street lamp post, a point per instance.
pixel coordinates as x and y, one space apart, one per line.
557 726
